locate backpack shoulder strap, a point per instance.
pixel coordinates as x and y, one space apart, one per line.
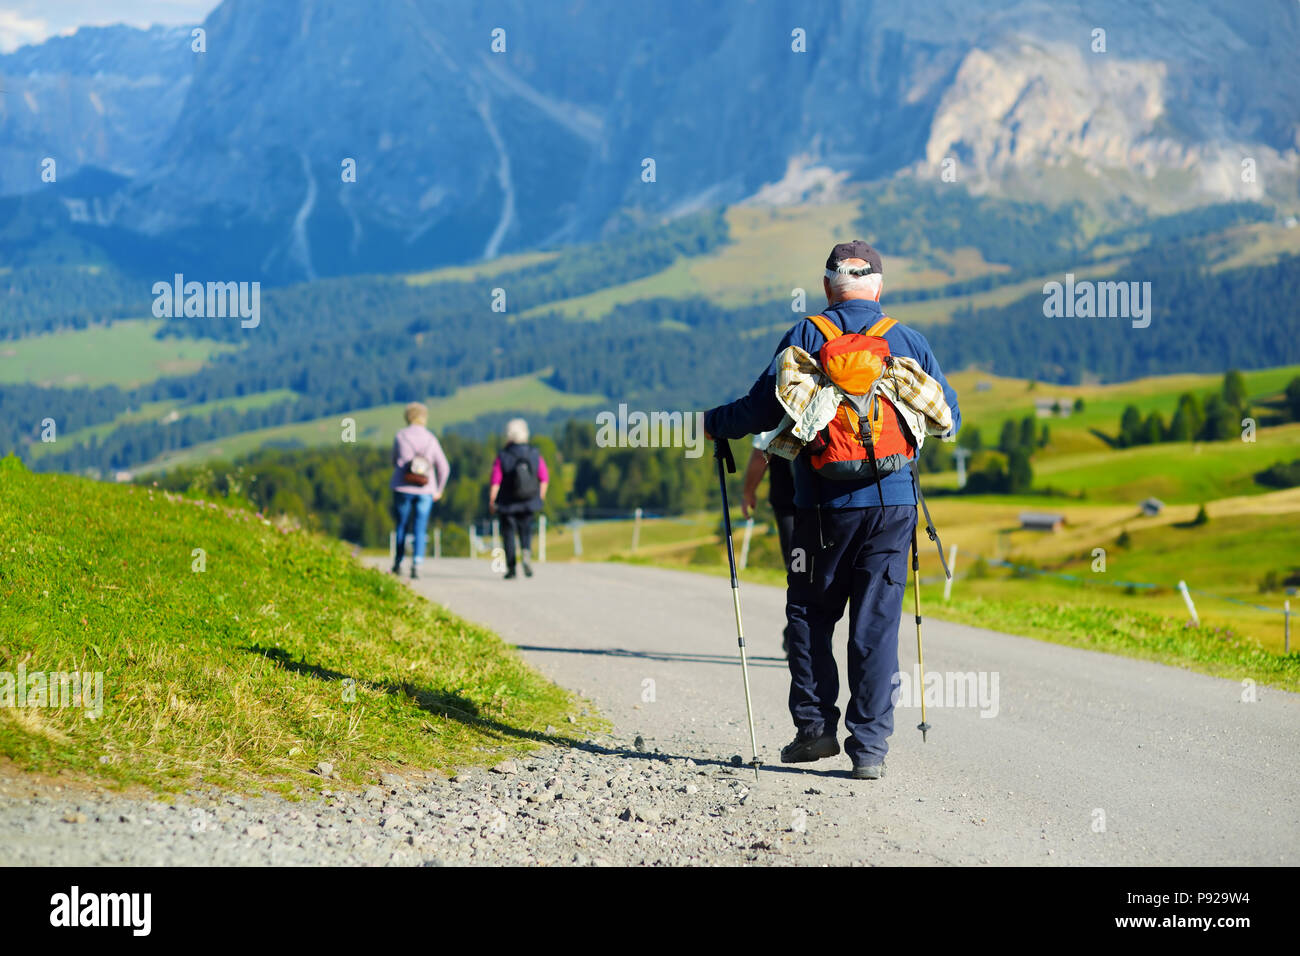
881 327
826 327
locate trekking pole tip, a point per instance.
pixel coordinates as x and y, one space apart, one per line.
924 728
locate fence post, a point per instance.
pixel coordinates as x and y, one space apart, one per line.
437 543
952 569
392 545
473 541
1191 608
1286 618
960 455
636 529
496 533
541 538
576 524
744 546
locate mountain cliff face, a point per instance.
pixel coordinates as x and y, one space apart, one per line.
463 152
105 97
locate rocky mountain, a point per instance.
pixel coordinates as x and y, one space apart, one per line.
105 97
479 128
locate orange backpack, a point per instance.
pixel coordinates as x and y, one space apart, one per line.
845 449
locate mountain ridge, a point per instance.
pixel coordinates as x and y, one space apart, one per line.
235 157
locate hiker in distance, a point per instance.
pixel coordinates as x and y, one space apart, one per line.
852 395
516 493
420 473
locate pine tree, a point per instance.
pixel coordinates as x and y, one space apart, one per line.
1153 429
1028 432
1007 440
1188 420
1221 420
1130 427
1293 398
1234 389
1020 475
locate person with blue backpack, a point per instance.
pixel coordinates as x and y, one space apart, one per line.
516 492
859 392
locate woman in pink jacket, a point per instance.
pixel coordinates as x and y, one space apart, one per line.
516 492
420 473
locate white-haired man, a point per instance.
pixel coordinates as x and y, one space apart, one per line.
516 492
851 534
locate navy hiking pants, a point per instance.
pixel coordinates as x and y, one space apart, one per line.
858 557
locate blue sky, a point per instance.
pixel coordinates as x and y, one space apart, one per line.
31 21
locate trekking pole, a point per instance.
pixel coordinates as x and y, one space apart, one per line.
923 727
722 452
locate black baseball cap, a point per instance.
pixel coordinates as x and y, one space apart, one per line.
857 249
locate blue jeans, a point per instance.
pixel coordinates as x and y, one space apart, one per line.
411 513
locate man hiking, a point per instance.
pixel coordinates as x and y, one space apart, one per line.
852 532
516 492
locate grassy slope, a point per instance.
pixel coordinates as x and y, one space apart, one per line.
1227 557
1012 398
236 674
1173 472
122 353
376 425
1078 458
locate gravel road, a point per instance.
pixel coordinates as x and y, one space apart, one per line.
1079 758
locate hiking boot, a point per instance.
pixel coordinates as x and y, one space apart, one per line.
528 570
868 771
397 568
806 748
414 572
510 574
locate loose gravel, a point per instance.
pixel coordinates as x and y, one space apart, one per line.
597 804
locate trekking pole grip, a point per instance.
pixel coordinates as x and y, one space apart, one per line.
722 452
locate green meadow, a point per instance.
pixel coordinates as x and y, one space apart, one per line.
122 353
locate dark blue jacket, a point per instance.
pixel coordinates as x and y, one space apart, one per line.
759 410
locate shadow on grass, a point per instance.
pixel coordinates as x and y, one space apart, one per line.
454 707
447 704
1110 440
